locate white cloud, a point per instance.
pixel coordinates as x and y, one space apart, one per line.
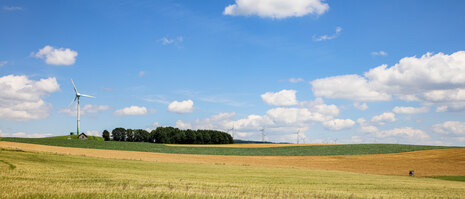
434 79
221 121
3 63
361 106
21 98
295 116
405 132
280 123
327 37
12 8
381 53
351 87
132 110
366 127
86 109
142 73
175 41
276 8
186 106
384 118
155 124
281 98
409 110
24 135
318 105
450 128
54 56
295 80
338 124
94 133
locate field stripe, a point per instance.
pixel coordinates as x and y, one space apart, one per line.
438 162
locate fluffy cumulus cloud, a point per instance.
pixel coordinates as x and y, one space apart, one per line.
24 135
450 128
351 87
409 110
276 8
404 132
21 98
186 106
366 127
433 79
281 98
86 109
338 124
384 118
318 105
54 56
360 106
132 110
280 123
94 133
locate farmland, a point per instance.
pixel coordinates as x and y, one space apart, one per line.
50 175
305 150
438 162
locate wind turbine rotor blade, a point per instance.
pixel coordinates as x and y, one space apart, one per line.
83 95
72 101
75 90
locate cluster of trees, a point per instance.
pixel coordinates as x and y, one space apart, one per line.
169 135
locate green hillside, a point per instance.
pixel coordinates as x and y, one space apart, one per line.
76 137
315 150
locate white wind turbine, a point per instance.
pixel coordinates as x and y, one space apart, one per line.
78 96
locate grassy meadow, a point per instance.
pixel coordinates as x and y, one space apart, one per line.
47 175
310 150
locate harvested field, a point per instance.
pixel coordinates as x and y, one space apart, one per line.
439 162
47 175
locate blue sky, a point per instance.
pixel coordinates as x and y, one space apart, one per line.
298 65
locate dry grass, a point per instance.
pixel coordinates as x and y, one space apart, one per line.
46 175
440 162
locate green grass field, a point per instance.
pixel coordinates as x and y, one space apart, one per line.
75 137
45 175
315 150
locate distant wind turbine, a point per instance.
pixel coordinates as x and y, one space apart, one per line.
78 96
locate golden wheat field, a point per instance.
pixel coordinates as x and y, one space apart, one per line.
48 175
440 162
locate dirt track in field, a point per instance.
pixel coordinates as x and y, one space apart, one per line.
439 162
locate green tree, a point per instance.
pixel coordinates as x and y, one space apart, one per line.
130 135
119 134
106 135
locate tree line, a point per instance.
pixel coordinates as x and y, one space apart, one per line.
169 135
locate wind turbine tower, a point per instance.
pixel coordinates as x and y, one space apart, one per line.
298 135
263 134
78 97
232 131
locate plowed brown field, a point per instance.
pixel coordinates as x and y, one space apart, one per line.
440 162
